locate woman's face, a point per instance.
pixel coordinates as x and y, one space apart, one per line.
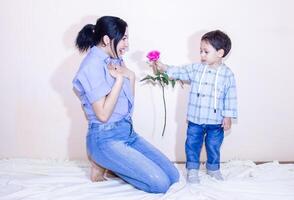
123 44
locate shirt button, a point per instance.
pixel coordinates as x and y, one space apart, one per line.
205 83
209 71
203 95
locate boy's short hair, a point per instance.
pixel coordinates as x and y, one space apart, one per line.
219 40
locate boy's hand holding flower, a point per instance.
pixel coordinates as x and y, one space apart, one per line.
154 62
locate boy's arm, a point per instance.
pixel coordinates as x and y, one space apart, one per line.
184 73
230 99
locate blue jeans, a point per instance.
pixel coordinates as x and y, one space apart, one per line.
119 148
214 135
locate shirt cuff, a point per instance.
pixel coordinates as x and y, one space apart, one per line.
170 71
230 113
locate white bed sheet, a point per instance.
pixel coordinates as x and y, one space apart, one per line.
69 180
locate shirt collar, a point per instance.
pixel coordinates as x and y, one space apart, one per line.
105 57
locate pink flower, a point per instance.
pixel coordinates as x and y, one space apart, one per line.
153 55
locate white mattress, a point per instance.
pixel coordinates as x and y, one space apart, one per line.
68 180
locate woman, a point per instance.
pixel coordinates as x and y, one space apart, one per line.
105 87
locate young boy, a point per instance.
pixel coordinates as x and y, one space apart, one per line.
212 102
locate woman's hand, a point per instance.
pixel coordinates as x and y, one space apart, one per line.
116 71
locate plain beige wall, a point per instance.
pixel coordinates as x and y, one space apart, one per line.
42 118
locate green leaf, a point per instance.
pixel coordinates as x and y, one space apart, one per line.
173 82
158 78
164 80
148 77
165 76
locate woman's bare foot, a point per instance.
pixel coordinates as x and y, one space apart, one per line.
109 174
97 175
97 172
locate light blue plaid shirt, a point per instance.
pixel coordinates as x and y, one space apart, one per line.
201 107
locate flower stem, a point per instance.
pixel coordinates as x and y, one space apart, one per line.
164 103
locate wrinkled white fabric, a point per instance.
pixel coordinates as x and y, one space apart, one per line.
69 180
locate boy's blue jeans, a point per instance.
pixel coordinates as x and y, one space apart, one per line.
118 148
214 135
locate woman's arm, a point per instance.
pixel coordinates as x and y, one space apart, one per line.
103 108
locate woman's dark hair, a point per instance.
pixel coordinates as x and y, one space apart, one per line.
91 35
219 40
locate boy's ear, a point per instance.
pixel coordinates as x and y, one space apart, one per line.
220 53
106 40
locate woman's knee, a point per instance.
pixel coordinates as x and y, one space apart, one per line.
175 176
158 184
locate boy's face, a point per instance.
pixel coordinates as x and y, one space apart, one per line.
209 55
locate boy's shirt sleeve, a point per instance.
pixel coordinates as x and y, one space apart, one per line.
184 73
230 100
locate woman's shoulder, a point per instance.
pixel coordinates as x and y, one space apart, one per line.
91 64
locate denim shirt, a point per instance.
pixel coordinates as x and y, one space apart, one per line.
93 82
